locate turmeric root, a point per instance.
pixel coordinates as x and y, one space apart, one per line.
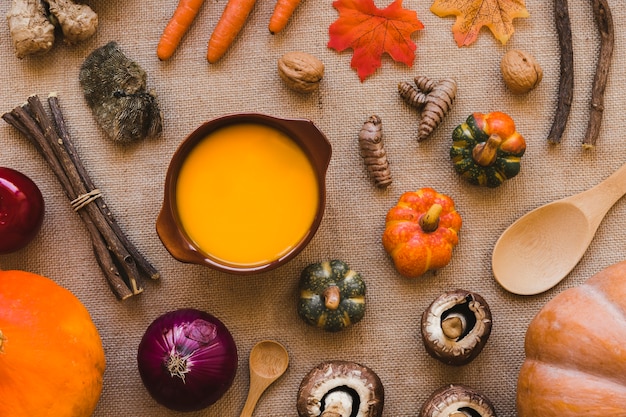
373 152
78 21
433 98
31 31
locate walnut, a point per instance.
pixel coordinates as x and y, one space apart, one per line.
520 71
300 71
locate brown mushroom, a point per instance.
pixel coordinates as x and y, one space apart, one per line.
456 326
340 389
456 400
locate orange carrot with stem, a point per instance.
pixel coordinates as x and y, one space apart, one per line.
228 27
177 27
282 13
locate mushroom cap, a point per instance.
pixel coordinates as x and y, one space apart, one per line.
456 347
457 399
359 381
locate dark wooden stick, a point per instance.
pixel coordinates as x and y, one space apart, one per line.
125 260
24 122
65 140
604 23
566 77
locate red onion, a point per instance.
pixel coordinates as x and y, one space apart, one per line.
187 359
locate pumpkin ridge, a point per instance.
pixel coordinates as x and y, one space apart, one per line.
578 373
603 300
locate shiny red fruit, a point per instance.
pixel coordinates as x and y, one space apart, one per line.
21 210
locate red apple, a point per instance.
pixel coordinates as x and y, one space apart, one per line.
21 210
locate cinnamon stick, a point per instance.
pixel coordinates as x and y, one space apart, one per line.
604 23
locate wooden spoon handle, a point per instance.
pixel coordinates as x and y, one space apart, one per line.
596 201
258 385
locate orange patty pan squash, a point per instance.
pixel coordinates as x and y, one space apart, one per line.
51 356
420 232
576 352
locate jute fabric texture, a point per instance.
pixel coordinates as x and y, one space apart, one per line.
192 91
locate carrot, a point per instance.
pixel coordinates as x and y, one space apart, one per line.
177 27
282 13
228 27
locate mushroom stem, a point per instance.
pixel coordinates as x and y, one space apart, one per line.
332 297
430 220
485 153
453 326
337 404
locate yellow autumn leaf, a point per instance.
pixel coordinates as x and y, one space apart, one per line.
472 15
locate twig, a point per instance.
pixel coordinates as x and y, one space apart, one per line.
566 77
604 22
120 261
24 122
64 138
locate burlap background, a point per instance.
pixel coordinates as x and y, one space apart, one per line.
263 306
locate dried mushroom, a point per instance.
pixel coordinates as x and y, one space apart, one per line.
340 389
456 326
457 400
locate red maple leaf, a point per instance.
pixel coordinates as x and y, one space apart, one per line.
370 32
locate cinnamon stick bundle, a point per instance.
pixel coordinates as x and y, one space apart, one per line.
122 264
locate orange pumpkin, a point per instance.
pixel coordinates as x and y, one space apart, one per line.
420 232
576 352
51 356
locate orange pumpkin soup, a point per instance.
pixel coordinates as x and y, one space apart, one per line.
247 194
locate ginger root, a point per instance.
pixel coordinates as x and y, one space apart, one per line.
78 21
433 98
373 152
31 31
32 26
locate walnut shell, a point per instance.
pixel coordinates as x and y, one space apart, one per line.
300 71
521 71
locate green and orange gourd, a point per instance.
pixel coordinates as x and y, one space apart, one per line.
487 149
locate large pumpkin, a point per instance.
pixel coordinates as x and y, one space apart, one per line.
51 356
576 352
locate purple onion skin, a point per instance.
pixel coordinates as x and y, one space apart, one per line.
210 365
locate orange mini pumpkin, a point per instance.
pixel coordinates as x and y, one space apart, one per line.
51 356
576 352
421 231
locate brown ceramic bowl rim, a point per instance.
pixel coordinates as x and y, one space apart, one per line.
169 228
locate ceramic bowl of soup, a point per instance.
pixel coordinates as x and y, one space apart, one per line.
245 193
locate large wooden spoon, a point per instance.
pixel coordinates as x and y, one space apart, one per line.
541 248
268 361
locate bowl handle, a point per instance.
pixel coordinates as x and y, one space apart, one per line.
173 240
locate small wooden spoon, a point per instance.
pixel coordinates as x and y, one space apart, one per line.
539 249
268 361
